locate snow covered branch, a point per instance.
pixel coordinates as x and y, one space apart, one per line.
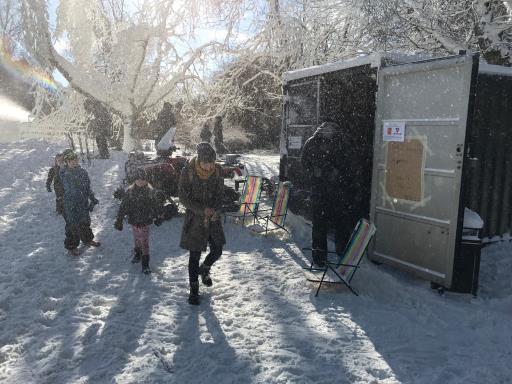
128 62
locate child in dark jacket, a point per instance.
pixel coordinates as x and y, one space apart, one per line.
54 178
79 200
141 204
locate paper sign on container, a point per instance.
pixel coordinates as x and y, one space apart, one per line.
393 131
295 142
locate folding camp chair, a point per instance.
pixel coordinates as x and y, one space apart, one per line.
346 263
249 199
279 209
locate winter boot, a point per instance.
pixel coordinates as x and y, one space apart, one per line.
93 243
204 271
137 254
145 264
193 297
319 258
319 262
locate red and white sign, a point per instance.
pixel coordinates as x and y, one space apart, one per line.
393 131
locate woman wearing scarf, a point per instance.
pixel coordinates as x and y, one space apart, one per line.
201 187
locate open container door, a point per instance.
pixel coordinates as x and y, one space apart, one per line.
423 110
301 113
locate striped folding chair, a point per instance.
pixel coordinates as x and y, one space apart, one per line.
345 265
249 199
277 217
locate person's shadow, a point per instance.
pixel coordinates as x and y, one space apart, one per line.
203 353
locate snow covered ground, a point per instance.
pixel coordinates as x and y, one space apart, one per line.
97 319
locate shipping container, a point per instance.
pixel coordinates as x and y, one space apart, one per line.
429 140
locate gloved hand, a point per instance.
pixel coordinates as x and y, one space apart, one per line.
118 225
48 188
158 221
94 200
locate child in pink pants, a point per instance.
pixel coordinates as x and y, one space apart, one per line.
141 205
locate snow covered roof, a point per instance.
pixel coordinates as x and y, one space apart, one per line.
494 69
374 60
377 60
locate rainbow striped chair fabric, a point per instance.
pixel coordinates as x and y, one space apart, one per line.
278 212
345 265
249 199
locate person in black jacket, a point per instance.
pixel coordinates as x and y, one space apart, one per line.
206 134
100 124
325 161
218 134
54 178
165 120
141 204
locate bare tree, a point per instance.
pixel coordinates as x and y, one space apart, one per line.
288 34
10 22
442 26
301 33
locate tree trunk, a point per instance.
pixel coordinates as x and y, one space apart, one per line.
102 144
128 140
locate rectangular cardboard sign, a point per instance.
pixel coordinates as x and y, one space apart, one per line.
404 170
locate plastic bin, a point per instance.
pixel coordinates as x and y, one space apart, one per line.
466 266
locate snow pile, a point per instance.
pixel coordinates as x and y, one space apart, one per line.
472 219
97 319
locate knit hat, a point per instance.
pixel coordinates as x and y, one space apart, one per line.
206 153
327 129
69 154
140 174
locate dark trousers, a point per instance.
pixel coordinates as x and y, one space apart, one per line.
326 217
59 205
101 142
195 256
77 232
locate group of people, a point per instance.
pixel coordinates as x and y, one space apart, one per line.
200 191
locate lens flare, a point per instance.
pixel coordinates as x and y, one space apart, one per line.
21 69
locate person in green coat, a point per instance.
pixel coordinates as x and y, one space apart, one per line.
200 190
